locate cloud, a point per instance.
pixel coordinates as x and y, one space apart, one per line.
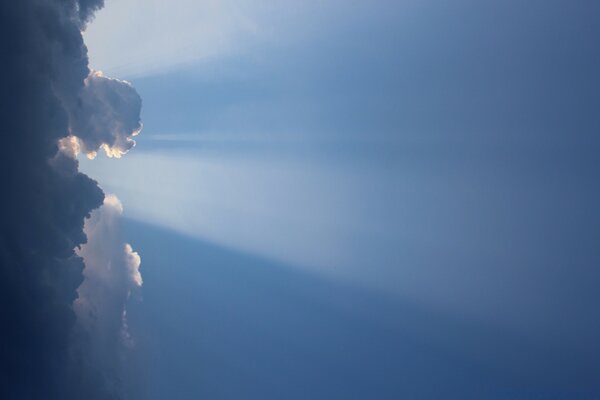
48 93
106 115
87 8
111 274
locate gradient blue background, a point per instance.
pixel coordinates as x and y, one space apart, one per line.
398 202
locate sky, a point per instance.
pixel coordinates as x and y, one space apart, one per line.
332 199
441 155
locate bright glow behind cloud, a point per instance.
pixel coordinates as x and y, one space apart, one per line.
141 37
160 35
305 215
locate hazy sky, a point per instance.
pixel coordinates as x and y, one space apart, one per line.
439 156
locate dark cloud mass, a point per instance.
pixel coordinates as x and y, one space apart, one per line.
46 96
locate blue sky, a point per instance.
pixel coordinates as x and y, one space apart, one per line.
433 165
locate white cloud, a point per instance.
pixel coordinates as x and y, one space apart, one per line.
111 273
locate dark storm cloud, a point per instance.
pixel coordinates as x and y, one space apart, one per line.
87 8
44 199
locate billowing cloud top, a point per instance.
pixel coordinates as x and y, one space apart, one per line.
106 115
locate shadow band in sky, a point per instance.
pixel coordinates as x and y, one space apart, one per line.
218 324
